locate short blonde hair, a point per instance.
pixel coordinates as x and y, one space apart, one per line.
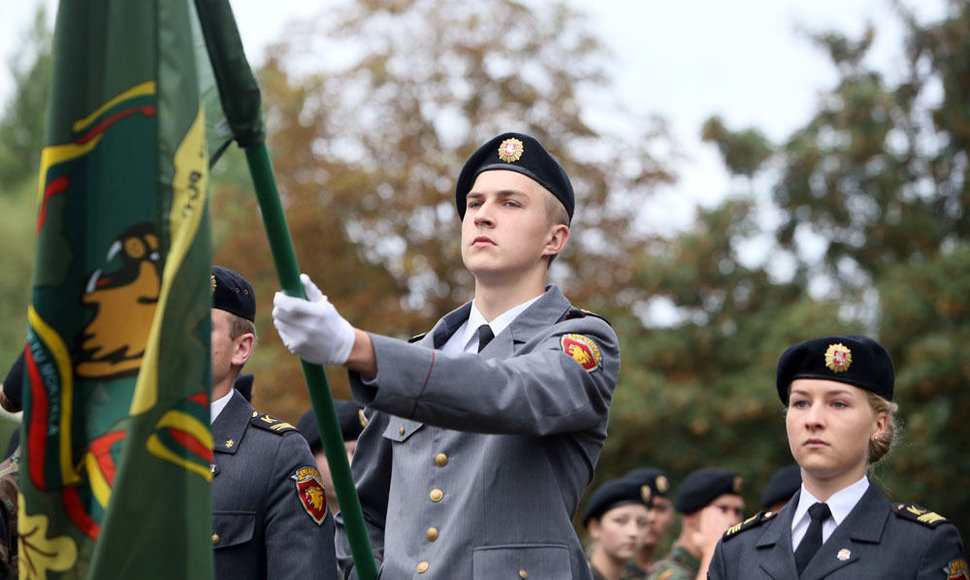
239 326
555 213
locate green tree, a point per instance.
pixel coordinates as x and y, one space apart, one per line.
23 119
877 184
367 151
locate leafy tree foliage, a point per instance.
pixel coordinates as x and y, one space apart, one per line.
878 179
23 120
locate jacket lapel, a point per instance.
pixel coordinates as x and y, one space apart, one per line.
864 525
448 325
230 426
776 540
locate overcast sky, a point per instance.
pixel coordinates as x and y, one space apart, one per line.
744 60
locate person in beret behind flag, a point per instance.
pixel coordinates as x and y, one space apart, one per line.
269 509
483 432
709 502
616 519
840 419
11 400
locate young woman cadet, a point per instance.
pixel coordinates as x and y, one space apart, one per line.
840 419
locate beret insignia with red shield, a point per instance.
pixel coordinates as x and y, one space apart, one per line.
310 488
583 350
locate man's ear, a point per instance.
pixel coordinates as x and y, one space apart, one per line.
243 348
558 236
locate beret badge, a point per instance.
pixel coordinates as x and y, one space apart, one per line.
662 484
510 150
645 493
212 283
838 358
738 484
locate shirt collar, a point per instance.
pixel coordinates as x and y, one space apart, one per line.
840 504
216 407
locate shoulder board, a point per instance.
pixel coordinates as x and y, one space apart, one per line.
915 513
574 313
270 423
417 337
752 522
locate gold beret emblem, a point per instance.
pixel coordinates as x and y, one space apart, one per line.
212 283
662 484
510 150
645 493
838 358
738 484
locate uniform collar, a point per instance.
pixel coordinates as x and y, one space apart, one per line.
840 504
468 335
229 428
218 405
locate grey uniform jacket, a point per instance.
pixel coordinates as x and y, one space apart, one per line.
472 465
872 542
265 500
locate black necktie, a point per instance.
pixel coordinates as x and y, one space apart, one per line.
485 336
813 537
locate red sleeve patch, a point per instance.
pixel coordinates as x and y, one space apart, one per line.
583 350
957 570
309 486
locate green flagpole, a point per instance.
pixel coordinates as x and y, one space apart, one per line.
240 97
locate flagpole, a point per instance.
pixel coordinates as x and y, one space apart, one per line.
240 97
284 257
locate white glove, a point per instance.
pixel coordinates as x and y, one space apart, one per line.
312 328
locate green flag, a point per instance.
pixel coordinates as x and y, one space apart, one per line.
115 476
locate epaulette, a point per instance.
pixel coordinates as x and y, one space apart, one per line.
752 522
915 513
417 337
574 313
270 423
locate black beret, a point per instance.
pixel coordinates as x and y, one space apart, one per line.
521 153
233 293
13 383
782 485
705 485
350 415
657 482
853 359
611 494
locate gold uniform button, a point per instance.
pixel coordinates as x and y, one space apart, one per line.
436 495
523 574
432 534
423 567
441 460
400 430
215 538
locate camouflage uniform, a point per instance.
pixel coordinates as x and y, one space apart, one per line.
629 573
9 469
678 565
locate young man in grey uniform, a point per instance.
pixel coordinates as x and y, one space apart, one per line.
472 464
269 511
